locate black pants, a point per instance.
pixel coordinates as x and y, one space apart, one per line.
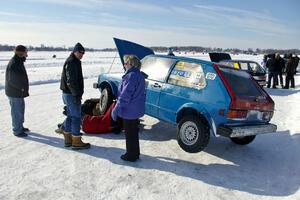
270 76
132 137
280 78
289 78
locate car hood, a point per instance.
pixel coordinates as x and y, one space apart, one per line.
125 47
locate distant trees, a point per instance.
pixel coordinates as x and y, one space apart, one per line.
43 47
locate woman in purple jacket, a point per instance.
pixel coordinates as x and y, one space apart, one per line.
131 105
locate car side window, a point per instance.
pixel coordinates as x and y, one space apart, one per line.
256 68
244 66
188 75
156 68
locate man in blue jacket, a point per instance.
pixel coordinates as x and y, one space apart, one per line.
16 89
130 105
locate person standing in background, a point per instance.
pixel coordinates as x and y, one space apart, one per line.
296 63
264 61
271 71
16 89
290 72
279 67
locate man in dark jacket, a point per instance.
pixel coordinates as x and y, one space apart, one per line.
271 65
16 89
279 68
72 87
290 72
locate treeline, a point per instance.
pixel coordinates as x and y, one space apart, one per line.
164 49
229 50
43 48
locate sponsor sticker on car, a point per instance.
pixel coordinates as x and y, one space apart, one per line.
210 76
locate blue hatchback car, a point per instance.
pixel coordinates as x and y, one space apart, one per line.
202 98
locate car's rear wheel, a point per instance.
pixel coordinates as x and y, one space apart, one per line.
106 99
192 134
243 140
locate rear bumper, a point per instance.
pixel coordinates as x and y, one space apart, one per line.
262 83
241 131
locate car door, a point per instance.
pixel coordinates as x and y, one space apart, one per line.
156 70
185 81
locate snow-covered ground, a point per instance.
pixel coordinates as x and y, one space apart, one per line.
39 167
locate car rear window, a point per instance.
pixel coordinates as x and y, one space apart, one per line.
240 82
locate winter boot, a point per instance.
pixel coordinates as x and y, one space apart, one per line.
68 139
77 143
59 129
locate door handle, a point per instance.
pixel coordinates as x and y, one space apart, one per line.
156 85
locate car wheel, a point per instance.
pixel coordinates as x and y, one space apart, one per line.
243 140
192 134
106 99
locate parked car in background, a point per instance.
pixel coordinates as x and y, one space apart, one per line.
253 68
200 97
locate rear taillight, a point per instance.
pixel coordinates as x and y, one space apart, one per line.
249 115
237 114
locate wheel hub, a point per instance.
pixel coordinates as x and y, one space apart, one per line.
189 133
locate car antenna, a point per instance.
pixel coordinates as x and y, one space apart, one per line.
112 62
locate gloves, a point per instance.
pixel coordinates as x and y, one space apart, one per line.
114 114
77 100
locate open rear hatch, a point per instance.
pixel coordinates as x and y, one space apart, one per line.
217 57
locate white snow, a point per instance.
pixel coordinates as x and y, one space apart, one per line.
39 167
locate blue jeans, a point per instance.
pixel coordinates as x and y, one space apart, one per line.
17 106
73 121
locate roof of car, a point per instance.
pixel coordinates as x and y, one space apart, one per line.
239 60
183 58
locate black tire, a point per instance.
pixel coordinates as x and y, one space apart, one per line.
243 140
192 134
106 99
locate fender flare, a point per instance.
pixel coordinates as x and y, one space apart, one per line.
197 109
111 85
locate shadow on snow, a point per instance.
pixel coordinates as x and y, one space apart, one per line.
269 166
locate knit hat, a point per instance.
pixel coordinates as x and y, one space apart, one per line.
21 48
78 47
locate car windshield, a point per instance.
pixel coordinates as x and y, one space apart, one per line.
240 82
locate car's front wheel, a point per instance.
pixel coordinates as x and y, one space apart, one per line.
106 99
243 140
192 134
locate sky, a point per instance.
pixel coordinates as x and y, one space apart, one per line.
210 23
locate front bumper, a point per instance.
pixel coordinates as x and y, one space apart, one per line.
95 85
241 131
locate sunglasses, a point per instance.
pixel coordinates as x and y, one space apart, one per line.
82 52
